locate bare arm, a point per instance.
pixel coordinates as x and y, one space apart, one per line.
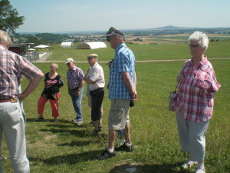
79 88
128 83
31 87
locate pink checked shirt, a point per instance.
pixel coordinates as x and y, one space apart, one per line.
75 76
196 95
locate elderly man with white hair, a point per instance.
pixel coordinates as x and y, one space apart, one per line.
13 66
194 100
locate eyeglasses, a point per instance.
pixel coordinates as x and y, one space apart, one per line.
108 38
52 68
194 46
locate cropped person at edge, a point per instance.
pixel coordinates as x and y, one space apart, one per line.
12 123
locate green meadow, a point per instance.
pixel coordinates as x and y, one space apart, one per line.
67 148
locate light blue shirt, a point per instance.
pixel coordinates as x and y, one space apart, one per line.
124 61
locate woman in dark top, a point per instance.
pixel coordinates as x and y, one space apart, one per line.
53 82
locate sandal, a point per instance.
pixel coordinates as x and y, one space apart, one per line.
56 121
38 118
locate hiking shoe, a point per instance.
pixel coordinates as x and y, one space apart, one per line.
106 154
77 122
100 129
188 164
125 148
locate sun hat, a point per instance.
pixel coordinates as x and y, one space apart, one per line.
92 55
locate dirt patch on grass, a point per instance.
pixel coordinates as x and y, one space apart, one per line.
50 137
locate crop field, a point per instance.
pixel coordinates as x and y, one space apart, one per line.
66 148
173 39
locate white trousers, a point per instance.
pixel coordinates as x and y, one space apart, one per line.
13 127
192 137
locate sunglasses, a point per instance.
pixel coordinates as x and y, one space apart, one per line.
90 58
108 38
52 68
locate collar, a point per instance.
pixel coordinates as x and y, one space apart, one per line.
74 68
120 46
94 66
2 47
202 62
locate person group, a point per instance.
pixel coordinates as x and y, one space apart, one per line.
193 103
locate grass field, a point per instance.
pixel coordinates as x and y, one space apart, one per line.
142 52
66 148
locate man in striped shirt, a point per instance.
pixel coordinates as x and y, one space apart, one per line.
75 77
11 117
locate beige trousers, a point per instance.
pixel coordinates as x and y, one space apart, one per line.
13 127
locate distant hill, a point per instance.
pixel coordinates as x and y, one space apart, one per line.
171 27
158 29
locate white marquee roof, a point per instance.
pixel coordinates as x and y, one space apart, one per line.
91 45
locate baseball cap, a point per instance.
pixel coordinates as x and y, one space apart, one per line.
116 33
69 60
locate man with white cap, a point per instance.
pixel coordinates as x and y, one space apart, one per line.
75 81
122 89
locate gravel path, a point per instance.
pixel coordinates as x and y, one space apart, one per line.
45 55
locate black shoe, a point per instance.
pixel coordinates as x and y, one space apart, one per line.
95 132
106 154
91 123
125 148
100 129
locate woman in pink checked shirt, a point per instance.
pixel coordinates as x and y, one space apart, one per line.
194 100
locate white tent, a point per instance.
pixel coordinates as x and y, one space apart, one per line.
41 46
67 44
91 45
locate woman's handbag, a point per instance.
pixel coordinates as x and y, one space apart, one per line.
171 95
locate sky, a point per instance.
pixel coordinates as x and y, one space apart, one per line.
99 15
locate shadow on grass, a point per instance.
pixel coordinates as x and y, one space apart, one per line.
76 143
68 159
165 168
81 133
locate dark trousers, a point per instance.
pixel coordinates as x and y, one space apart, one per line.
97 100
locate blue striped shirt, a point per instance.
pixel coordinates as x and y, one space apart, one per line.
124 61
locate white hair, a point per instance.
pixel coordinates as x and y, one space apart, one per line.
4 37
201 37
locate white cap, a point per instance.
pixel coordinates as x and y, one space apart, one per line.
69 60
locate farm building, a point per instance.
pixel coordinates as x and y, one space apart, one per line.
91 45
67 44
18 48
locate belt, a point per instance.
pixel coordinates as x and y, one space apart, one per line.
98 89
73 88
12 100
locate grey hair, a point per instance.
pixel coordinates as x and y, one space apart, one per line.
201 37
4 37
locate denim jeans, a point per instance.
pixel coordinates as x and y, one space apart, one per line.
77 103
